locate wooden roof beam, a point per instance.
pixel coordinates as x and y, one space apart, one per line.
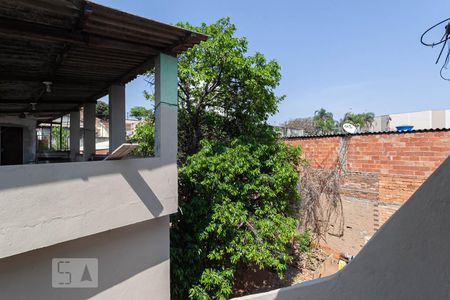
37 111
130 75
7 78
15 29
53 102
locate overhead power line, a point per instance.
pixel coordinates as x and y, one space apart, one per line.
442 41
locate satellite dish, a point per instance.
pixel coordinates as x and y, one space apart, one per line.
349 128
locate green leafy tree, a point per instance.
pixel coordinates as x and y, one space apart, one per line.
237 183
140 112
60 138
223 91
362 121
144 136
102 110
324 121
242 210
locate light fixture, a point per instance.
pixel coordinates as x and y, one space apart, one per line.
48 86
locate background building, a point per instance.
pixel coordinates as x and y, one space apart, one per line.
428 119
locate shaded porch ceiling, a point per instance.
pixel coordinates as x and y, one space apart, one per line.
81 47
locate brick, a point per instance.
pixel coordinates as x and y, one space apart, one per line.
401 162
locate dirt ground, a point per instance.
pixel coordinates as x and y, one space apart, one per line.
306 266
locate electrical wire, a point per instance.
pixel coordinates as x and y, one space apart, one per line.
445 65
443 41
431 28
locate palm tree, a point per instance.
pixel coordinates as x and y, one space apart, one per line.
324 121
362 121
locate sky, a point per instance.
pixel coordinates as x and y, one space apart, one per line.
346 55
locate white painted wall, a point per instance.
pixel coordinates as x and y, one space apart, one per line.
447 118
46 204
430 119
438 119
408 258
420 120
133 264
380 123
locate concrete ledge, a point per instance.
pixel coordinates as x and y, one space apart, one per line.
42 205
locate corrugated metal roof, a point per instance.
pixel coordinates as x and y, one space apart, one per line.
80 46
365 133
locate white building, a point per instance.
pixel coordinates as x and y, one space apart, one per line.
428 119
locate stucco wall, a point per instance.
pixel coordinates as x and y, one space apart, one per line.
420 120
42 205
133 263
447 118
408 258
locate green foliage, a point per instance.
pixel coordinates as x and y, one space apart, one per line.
223 91
213 282
361 121
144 136
304 241
102 110
237 195
324 121
60 143
140 112
239 206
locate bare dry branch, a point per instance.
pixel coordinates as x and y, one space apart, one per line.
321 209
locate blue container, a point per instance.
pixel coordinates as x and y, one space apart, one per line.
404 128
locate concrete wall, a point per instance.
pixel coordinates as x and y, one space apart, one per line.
29 135
42 205
380 123
381 172
420 120
133 263
408 257
447 118
438 119
429 119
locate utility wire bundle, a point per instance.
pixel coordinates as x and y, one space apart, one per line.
442 41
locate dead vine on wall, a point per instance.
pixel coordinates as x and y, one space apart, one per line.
321 209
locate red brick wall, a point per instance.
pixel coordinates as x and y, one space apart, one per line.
320 152
384 167
382 172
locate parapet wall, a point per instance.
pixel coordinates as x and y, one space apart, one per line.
133 263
